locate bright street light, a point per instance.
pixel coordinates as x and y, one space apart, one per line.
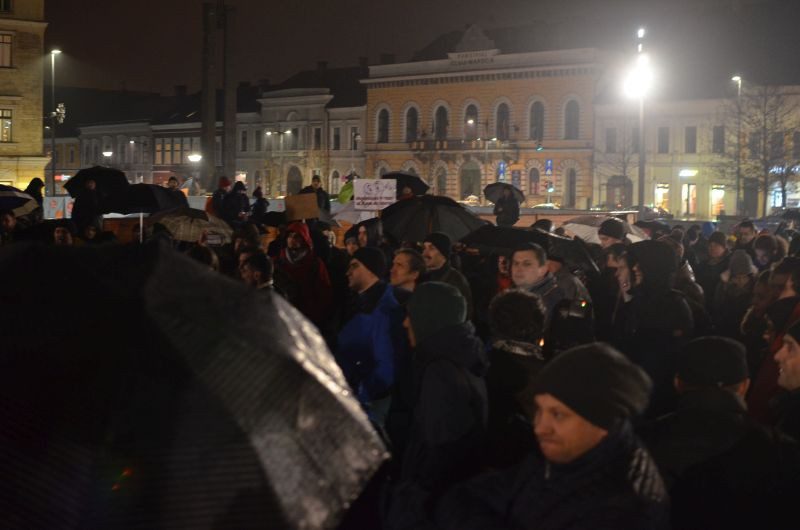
108 154
640 78
55 52
640 33
195 157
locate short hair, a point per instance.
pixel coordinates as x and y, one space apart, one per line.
747 224
173 177
415 261
258 261
316 177
541 254
516 314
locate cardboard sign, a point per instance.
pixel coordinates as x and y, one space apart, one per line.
374 194
301 206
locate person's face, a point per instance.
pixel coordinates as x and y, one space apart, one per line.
249 276
503 266
762 257
746 235
359 277
412 339
8 222
526 271
351 245
362 236
401 274
61 236
715 250
788 359
315 183
172 184
406 191
294 241
612 262
242 258
762 297
433 258
606 241
562 434
91 185
90 232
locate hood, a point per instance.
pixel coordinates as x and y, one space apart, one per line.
658 264
302 229
374 231
457 344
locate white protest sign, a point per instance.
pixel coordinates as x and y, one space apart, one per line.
374 194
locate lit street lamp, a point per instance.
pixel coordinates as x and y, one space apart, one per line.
53 119
637 85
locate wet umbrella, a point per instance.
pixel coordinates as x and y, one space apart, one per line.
189 224
147 405
17 201
494 191
110 182
407 180
144 198
413 219
586 227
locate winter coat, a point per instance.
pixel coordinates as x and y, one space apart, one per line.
722 469
308 278
215 205
259 210
368 345
86 210
787 411
323 199
551 294
708 276
507 211
731 302
448 274
448 425
614 486
234 204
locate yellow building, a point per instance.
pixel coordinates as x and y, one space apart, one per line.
22 30
476 115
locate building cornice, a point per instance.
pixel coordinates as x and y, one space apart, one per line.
6 23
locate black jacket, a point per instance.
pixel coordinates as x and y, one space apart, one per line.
722 469
550 293
615 486
233 204
507 211
323 199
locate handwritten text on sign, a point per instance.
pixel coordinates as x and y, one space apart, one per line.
374 194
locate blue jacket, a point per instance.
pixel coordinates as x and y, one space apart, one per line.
367 348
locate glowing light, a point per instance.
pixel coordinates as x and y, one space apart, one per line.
471 121
687 173
55 52
195 157
640 79
736 79
108 153
640 33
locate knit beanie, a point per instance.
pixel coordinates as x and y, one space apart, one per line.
718 238
597 382
612 228
435 306
741 263
441 241
713 361
224 182
373 259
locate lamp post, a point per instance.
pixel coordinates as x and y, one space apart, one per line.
738 80
53 120
637 85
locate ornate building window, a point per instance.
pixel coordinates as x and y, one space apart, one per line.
571 120
441 123
502 122
471 123
537 121
412 124
383 127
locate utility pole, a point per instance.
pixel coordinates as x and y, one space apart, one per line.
208 136
225 23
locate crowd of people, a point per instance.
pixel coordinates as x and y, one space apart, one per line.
515 392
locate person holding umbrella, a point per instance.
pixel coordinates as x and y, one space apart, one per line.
86 210
506 208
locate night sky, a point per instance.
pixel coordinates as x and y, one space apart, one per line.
155 44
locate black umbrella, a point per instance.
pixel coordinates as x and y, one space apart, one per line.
494 191
407 180
413 219
109 181
145 198
17 201
160 400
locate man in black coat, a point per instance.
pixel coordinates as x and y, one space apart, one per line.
323 199
449 416
590 472
529 271
721 468
507 208
86 209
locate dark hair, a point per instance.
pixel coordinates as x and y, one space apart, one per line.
541 254
172 177
790 267
617 250
415 261
316 177
516 314
747 224
258 261
204 255
772 245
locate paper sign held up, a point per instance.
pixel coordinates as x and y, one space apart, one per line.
302 206
374 194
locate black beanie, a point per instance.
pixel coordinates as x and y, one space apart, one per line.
612 228
597 382
713 361
373 259
718 238
441 241
435 306
352 233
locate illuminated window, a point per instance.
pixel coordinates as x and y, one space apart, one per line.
6 125
662 196
471 122
689 199
6 44
717 199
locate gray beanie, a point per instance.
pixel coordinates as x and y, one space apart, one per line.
741 263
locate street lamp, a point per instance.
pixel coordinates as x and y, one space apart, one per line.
53 118
738 80
195 157
637 85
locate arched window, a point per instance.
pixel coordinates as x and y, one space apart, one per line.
383 127
537 121
502 122
572 188
571 118
412 124
441 181
335 182
440 124
471 123
533 182
470 180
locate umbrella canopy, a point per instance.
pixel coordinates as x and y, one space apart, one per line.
349 214
17 201
407 180
189 224
413 219
183 410
109 181
145 198
494 191
586 227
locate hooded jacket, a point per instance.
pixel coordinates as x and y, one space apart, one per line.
310 278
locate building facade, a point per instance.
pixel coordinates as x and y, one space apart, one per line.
22 30
480 115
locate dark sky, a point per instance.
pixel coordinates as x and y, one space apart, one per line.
155 44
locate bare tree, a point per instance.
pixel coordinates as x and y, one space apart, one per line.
621 159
